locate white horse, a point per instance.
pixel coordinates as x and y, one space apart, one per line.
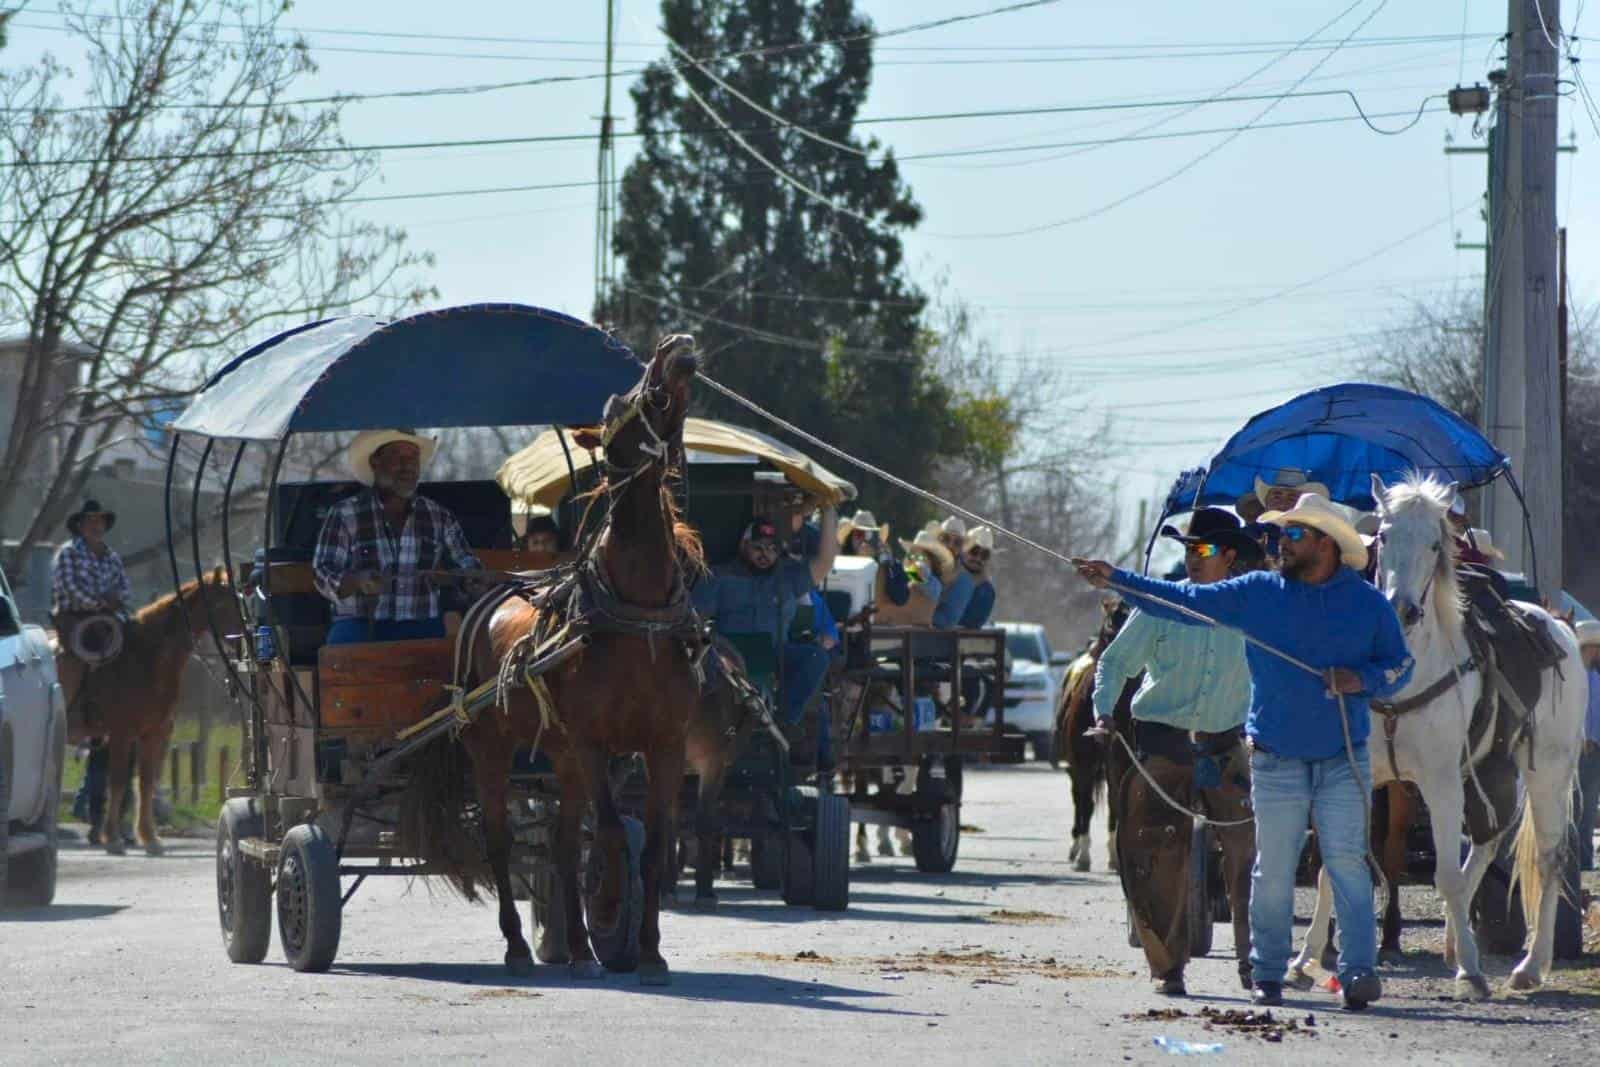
1417 570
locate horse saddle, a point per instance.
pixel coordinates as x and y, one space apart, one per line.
1518 636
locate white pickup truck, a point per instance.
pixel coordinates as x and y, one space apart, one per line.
33 751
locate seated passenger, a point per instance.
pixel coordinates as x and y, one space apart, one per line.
928 565
759 591
959 585
861 535
542 534
975 560
375 544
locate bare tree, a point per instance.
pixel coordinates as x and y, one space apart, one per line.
1037 463
185 205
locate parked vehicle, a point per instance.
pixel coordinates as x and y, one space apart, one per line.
1033 683
33 749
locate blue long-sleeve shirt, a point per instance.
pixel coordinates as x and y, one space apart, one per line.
980 607
953 600
1343 622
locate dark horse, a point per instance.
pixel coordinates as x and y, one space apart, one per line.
631 689
133 700
1086 758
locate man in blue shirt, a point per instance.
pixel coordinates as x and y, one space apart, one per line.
758 592
958 589
1318 610
975 559
1187 728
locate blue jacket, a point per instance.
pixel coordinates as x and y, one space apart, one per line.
1343 622
953 600
980 608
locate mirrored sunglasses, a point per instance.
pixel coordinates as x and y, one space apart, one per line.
1202 549
1297 533
979 553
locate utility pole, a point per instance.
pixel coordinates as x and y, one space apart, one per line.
605 178
1521 383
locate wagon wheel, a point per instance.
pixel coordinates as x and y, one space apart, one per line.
935 841
1202 928
309 906
616 944
831 859
549 915
766 861
799 884
244 888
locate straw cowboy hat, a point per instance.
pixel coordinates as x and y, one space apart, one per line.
864 521
90 507
1483 541
359 456
981 537
1319 513
1290 478
927 541
955 526
1588 633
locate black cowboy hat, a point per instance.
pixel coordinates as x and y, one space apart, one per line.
90 507
1220 528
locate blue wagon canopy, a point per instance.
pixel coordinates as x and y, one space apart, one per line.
1341 435
477 365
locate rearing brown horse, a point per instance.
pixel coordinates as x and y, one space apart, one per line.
134 698
627 691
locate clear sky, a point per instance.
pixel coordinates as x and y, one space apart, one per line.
1251 274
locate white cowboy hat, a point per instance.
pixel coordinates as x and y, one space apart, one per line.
1483 541
981 537
927 541
1588 632
359 455
864 521
1332 519
955 525
1290 478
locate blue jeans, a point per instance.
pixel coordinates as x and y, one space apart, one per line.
1588 804
1289 794
362 631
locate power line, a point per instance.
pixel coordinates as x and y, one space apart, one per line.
1173 175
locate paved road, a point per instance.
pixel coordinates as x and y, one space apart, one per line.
1011 959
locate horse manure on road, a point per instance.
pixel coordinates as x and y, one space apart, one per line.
968 962
1012 917
1262 1024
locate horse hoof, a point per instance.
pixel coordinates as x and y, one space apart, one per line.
154 847
586 970
707 903
115 847
655 974
1081 864
1524 981
1301 980
1391 956
519 966
1472 987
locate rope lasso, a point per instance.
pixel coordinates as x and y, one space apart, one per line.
900 483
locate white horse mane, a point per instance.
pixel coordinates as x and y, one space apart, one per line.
1427 492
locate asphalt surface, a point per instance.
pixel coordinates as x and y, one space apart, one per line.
1013 958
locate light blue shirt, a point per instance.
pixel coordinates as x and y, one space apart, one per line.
1195 678
1591 723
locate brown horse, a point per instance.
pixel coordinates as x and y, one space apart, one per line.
627 691
1085 758
134 698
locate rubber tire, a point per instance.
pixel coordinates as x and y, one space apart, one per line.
935 842
618 949
33 876
1496 914
766 862
799 875
308 881
1043 742
5 815
831 860
1202 927
244 887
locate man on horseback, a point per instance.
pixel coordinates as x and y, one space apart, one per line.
1307 730
1188 719
376 545
87 583
758 593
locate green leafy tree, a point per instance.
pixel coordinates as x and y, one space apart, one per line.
799 298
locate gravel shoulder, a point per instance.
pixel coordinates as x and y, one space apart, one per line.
1013 954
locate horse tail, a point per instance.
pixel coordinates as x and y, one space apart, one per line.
435 829
1525 867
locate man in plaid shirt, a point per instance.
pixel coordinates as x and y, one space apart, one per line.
373 545
87 576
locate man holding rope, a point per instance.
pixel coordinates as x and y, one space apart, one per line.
1188 719
1316 635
